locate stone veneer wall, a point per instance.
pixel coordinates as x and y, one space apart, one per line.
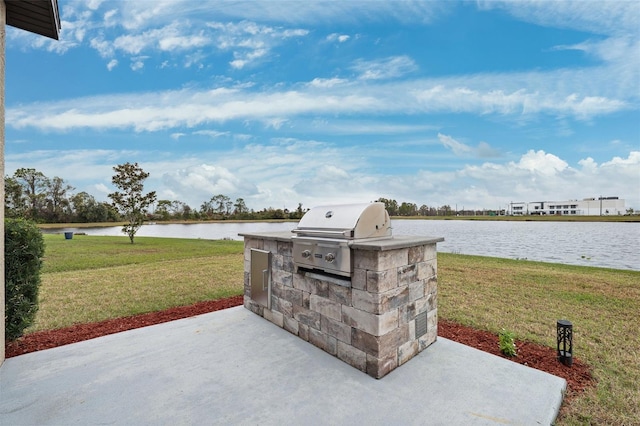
369 322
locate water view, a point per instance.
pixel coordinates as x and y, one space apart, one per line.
603 244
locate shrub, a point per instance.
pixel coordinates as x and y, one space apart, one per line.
23 251
506 341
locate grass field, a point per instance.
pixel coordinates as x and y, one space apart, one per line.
89 279
93 278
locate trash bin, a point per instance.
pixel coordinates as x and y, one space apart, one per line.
68 235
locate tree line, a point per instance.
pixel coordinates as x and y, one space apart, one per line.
31 195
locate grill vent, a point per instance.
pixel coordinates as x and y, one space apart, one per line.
421 324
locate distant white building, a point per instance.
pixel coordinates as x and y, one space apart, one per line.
601 206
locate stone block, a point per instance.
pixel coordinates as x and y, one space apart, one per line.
247 283
379 346
407 351
422 305
380 260
364 259
359 279
365 301
427 269
306 317
433 301
339 294
416 254
310 285
281 305
325 307
291 325
250 243
335 329
432 319
367 343
287 293
431 285
381 281
380 367
284 248
303 332
430 252
352 356
287 264
407 274
416 291
376 324
275 317
283 277
254 307
323 341
271 246
379 303
426 340
407 313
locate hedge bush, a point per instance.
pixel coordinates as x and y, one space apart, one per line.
23 252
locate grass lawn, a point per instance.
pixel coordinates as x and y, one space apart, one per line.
92 278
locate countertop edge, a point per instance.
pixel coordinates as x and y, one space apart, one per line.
396 242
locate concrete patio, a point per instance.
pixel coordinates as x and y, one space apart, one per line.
233 367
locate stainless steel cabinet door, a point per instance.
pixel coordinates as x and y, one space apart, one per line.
261 277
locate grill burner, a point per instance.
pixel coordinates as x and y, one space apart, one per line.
325 233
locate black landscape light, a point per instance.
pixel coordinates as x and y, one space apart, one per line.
565 342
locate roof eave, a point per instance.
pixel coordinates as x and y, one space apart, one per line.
36 16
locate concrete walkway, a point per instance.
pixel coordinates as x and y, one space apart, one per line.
233 367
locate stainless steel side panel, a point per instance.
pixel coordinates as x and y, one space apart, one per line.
261 277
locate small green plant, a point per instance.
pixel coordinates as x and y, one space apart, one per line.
506 341
23 252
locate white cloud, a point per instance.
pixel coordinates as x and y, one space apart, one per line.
340 38
211 133
483 150
137 63
112 64
458 148
556 95
391 67
611 17
327 82
284 176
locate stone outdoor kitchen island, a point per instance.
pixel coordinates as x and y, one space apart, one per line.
377 319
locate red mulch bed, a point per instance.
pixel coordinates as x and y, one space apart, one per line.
578 376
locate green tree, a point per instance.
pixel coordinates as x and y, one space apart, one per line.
163 209
390 205
131 202
86 209
407 209
35 186
58 205
15 201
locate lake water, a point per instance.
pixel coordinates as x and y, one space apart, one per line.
604 244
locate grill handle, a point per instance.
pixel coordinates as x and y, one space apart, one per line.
344 233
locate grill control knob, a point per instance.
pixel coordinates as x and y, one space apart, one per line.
330 257
306 254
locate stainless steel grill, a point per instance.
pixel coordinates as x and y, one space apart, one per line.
325 234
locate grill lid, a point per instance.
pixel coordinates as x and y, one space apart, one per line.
351 221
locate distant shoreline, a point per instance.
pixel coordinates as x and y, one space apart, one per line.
529 218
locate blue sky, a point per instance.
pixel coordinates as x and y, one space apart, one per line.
470 104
